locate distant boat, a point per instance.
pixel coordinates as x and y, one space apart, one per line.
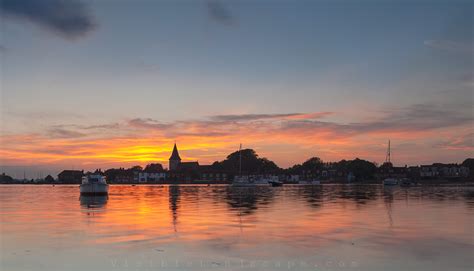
94 185
390 182
276 183
251 181
241 180
310 182
405 182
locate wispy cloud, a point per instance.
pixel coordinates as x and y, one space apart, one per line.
145 139
459 142
148 123
57 132
252 117
452 46
219 12
69 19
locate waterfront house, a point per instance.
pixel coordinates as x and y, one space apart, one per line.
452 171
428 171
387 170
209 173
151 177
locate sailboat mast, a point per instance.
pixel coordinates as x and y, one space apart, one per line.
240 160
387 159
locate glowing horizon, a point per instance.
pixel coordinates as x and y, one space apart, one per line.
287 139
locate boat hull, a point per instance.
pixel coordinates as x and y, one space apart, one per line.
94 189
309 182
249 184
390 182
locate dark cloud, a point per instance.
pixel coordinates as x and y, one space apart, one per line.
219 12
420 117
251 117
148 123
102 126
451 46
56 132
69 19
412 119
87 127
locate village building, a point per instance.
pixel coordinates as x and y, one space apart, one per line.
192 171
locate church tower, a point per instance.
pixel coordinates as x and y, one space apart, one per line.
175 160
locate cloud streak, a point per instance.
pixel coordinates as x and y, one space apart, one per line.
286 138
451 46
57 132
253 117
69 19
219 13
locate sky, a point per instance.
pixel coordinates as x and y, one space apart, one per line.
100 84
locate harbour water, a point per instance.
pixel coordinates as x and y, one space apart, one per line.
329 227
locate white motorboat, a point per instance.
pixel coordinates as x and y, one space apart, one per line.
94 185
390 181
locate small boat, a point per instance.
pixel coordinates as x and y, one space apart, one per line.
244 180
276 183
406 182
310 182
250 181
94 185
390 182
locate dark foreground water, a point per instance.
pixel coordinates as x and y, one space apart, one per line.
331 227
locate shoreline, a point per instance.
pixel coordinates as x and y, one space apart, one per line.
424 183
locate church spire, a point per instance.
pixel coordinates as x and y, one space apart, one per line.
175 154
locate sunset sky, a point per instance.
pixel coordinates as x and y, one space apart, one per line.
99 84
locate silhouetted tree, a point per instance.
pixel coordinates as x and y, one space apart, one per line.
49 179
5 178
312 165
154 168
251 163
362 169
469 163
136 168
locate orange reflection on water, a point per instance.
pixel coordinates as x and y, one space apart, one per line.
369 224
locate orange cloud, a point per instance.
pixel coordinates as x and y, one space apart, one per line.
284 138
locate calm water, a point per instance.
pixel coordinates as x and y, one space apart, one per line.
222 228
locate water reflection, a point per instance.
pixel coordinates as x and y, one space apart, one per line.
313 194
469 197
246 200
93 202
174 197
429 228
